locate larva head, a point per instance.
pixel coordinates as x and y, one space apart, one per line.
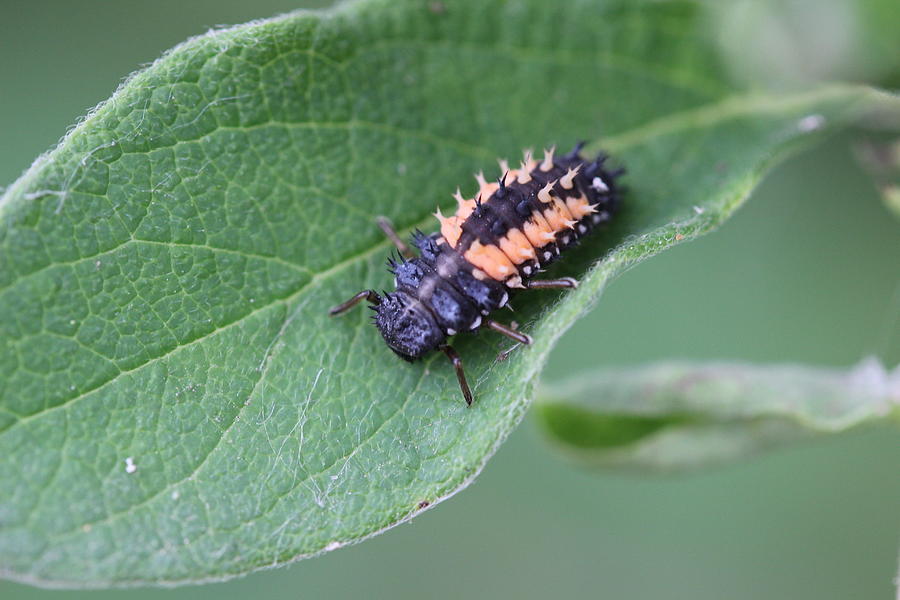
408 328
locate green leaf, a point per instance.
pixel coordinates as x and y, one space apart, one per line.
882 160
175 404
679 415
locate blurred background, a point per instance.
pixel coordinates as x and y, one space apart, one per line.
808 271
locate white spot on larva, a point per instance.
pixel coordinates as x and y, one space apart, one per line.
130 467
596 218
526 270
566 240
810 123
599 185
547 255
514 282
582 229
485 312
698 209
476 323
504 299
451 331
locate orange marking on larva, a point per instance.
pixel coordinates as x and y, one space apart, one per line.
579 207
547 163
451 227
555 219
527 166
464 207
558 216
538 231
491 260
523 174
516 247
567 180
544 195
562 208
487 190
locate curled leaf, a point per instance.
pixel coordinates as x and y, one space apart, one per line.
681 415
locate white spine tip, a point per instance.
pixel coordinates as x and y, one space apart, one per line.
544 195
528 159
547 163
514 282
568 178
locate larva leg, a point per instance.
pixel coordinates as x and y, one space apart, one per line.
388 228
511 332
551 284
456 361
508 332
371 296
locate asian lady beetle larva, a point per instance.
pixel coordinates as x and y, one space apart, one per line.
494 244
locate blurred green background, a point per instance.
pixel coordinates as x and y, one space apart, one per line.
808 271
